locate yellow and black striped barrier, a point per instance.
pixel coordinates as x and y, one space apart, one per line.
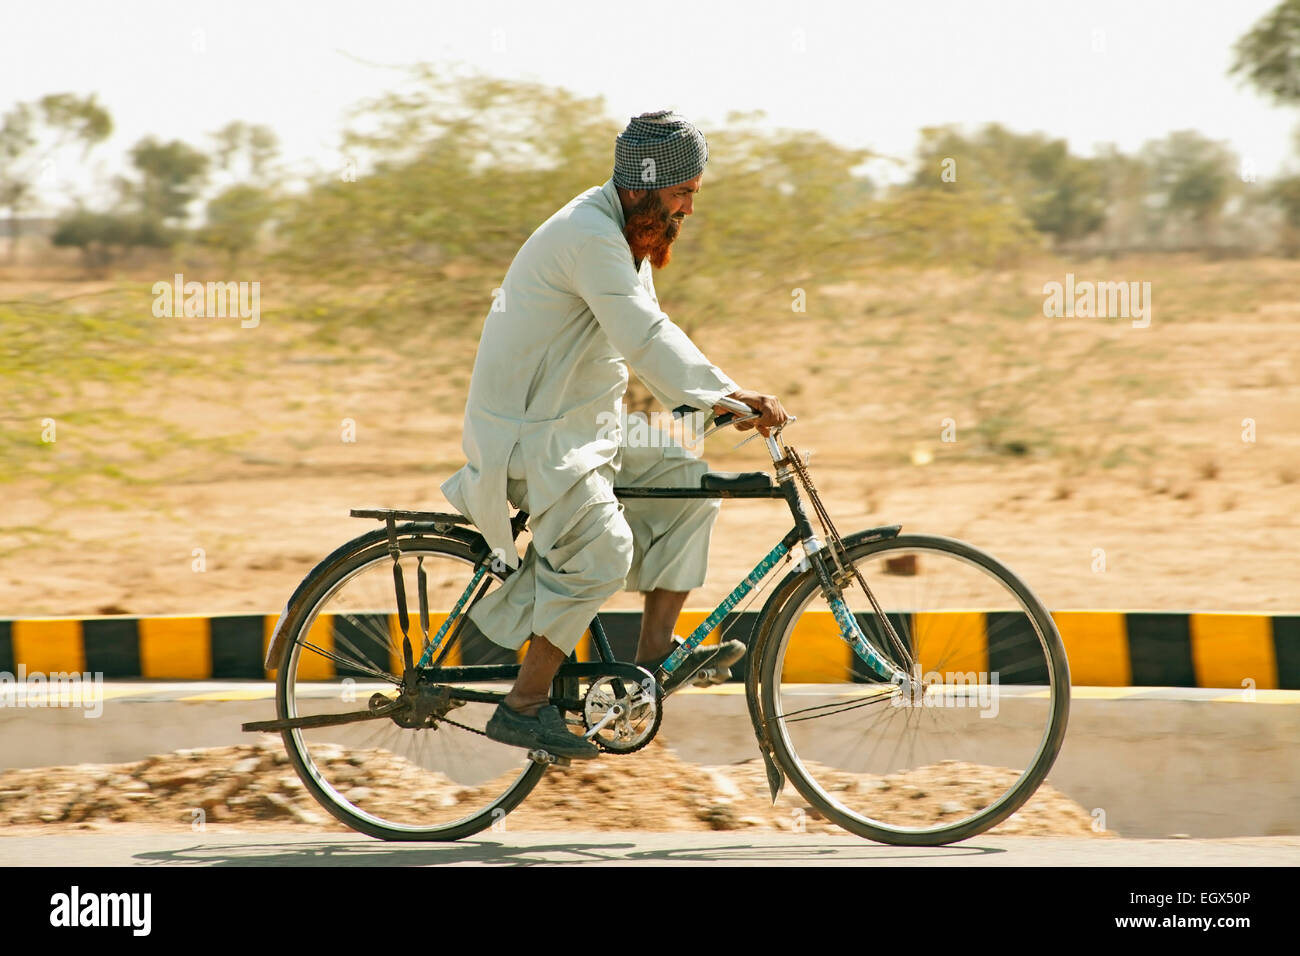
1105 648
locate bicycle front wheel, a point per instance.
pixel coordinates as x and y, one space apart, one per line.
975 735
440 779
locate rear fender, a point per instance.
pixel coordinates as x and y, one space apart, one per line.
473 539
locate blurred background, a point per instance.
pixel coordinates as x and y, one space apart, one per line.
890 194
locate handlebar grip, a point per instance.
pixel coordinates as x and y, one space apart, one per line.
722 419
739 408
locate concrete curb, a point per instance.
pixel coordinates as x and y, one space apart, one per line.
1105 648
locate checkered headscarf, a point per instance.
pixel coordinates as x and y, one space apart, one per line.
658 150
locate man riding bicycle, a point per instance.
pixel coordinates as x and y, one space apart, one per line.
577 306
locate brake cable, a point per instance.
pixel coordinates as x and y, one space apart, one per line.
838 551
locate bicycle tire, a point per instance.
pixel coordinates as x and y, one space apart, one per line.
313 757
819 792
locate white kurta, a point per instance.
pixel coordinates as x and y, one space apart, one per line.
551 369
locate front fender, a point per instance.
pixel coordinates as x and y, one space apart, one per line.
758 645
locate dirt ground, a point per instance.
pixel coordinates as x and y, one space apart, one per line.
253 786
1113 467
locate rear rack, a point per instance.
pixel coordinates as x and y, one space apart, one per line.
435 517
442 521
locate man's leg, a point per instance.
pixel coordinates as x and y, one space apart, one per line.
580 545
576 575
532 688
659 623
583 551
670 556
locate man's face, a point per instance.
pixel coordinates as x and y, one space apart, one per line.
679 199
655 221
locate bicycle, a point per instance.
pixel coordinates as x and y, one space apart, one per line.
859 696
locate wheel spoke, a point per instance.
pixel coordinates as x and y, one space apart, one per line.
826 710
382 778
354 664
957 756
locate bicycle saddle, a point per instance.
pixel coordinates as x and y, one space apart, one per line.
735 480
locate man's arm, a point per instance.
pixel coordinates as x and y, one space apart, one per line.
662 355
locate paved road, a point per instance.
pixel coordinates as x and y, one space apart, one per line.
620 848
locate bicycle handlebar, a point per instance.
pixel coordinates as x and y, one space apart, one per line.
740 413
738 410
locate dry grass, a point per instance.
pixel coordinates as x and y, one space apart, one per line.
1066 434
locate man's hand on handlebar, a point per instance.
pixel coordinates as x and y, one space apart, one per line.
769 407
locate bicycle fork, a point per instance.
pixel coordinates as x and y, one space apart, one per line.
831 575
851 633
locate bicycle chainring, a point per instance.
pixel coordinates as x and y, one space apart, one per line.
642 712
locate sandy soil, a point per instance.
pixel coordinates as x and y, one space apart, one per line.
253 785
1129 484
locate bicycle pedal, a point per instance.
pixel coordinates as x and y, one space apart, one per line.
711 676
546 758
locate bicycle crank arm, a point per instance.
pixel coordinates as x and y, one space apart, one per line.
614 713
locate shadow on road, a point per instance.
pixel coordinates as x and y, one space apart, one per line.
329 853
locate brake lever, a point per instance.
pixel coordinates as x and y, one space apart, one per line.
734 421
683 409
776 432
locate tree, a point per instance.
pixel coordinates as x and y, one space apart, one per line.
459 169
1063 195
245 154
170 177
234 219
32 135
1126 180
1268 55
1285 194
150 210
99 234
246 151
1192 178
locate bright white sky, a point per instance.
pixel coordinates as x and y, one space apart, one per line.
863 73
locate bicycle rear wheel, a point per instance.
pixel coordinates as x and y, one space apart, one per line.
437 781
973 741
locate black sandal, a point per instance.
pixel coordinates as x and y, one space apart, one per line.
546 731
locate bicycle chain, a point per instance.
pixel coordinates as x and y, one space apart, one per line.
454 723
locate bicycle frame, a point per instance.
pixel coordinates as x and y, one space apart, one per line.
815 557
829 567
